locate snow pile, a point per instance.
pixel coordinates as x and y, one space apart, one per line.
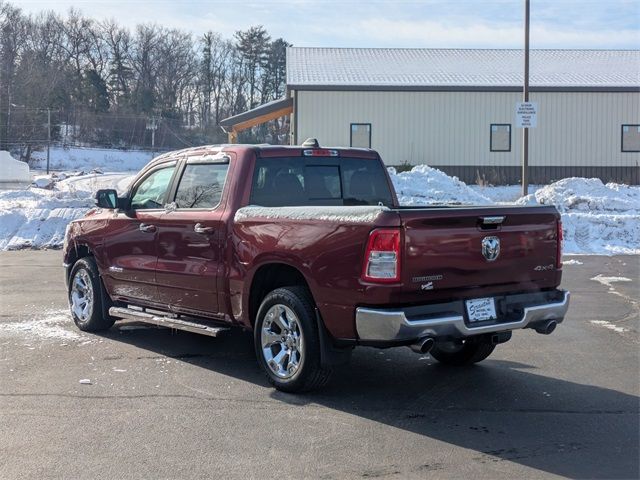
589 195
43 181
12 170
424 185
37 217
596 218
354 214
76 158
503 194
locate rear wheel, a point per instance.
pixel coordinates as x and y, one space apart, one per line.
86 297
287 341
463 353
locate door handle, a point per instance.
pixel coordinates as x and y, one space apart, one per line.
199 228
145 227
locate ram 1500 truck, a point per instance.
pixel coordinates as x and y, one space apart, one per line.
308 248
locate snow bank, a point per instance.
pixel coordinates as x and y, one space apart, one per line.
12 170
37 217
355 214
589 195
596 218
76 158
424 185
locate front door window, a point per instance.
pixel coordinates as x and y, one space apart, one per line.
152 192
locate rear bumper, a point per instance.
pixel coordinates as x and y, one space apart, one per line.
397 326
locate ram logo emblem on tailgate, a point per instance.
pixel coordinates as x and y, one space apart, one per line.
490 248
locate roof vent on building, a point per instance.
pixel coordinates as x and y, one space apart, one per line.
311 142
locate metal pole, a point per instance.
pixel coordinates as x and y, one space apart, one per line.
525 95
153 136
48 136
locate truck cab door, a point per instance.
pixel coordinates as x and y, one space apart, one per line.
191 238
131 248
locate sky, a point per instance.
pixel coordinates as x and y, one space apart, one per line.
607 24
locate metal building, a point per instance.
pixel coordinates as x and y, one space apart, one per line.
454 109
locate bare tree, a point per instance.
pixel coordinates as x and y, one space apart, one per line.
105 84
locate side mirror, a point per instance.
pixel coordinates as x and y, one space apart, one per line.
107 198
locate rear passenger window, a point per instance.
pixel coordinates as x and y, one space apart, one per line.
201 185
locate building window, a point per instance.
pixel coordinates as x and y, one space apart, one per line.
500 137
361 135
631 138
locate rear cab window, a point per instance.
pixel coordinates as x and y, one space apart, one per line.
309 181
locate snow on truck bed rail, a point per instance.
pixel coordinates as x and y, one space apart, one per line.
353 214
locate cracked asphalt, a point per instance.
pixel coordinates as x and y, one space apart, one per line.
164 404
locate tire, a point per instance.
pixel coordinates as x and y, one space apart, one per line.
467 353
86 297
287 341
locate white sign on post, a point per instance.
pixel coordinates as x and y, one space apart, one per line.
526 114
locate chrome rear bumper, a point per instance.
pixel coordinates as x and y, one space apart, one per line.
395 325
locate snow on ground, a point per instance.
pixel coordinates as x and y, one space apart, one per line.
38 217
607 281
596 218
424 185
76 158
503 194
609 325
51 325
572 262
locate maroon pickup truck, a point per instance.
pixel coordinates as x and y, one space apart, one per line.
309 248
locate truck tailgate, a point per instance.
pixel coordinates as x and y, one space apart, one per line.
444 248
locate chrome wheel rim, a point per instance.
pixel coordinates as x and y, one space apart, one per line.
81 295
282 342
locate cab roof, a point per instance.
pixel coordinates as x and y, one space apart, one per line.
262 150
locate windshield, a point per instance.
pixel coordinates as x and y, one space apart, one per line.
291 181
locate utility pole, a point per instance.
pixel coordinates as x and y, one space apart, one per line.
525 95
48 136
153 126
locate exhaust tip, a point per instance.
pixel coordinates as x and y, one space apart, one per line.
547 328
423 345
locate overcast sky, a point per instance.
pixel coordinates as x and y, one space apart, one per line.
384 23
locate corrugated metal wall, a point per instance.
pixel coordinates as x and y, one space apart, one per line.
575 129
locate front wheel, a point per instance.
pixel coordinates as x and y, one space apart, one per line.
287 341
85 297
462 353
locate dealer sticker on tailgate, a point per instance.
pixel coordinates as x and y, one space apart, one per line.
481 309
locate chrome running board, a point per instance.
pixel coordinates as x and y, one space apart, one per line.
191 325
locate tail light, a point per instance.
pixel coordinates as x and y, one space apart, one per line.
559 245
320 152
382 256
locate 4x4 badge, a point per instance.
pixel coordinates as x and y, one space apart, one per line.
490 248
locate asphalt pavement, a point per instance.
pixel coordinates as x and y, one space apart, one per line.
161 404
